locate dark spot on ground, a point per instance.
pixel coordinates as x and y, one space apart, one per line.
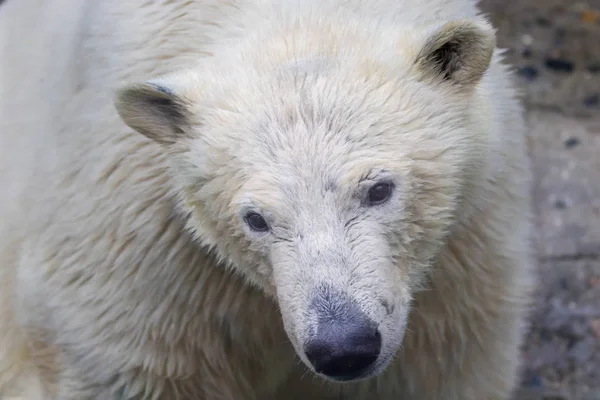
559 65
592 100
528 72
571 142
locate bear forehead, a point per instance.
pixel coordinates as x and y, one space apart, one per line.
323 116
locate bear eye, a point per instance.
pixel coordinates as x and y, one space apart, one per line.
256 222
380 193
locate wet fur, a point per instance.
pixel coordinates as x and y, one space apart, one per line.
125 267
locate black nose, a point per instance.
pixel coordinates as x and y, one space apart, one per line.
346 349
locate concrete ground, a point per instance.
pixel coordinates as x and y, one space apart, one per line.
555 47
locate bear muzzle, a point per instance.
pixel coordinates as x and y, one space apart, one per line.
346 342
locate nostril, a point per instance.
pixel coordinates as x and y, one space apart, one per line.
346 356
345 367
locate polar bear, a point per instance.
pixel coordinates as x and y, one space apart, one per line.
244 199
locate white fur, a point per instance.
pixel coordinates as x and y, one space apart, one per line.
126 268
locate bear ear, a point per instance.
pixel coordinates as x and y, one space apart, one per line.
154 110
459 52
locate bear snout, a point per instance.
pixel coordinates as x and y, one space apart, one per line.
346 343
344 353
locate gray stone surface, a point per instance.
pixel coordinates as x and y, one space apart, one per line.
566 162
554 45
562 353
555 48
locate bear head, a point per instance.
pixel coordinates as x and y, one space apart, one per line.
326 164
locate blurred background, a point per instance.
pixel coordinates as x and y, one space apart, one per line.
555 48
